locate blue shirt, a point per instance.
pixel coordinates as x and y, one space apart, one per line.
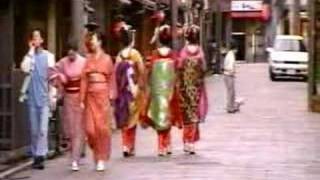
38 90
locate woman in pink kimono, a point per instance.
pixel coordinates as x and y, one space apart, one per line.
192 92
67 74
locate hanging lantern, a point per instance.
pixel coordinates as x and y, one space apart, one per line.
117 26
266 12
158 16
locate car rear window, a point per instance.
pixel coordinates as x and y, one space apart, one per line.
289 45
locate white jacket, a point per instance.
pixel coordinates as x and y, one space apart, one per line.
229 67
27 66
28 61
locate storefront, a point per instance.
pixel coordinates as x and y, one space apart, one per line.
249 30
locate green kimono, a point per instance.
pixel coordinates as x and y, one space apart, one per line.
161 86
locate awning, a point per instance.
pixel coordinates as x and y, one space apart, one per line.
249 15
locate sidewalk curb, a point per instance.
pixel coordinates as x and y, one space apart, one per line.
20 167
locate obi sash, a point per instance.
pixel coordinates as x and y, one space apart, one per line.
125 97
162 87
96 77
72 86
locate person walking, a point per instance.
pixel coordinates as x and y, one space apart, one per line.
40 96
193 97
162 83
67 73
130 85
97 90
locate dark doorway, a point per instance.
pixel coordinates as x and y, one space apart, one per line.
6 35
240 39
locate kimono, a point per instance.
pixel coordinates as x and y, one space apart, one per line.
97 88
128 105
193 98
162 83
68 77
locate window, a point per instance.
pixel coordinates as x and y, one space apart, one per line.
289 45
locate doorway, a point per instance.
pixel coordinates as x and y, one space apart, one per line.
240 40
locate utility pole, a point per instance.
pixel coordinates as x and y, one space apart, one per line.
294 17
314 56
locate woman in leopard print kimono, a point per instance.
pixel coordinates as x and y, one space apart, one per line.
193 98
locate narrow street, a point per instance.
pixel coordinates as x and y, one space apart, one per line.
274 137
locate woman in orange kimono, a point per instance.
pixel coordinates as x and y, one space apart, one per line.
97 88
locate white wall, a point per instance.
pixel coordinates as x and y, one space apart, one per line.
302 2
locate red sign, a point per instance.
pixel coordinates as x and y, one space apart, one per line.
250 10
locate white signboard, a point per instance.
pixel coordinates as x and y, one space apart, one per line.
246 5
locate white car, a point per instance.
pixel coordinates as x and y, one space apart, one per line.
288 57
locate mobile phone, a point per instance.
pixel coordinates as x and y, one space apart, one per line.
31 43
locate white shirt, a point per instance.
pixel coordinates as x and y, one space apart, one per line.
230 63
27 66
28 60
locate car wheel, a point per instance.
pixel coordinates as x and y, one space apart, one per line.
272 75
305 78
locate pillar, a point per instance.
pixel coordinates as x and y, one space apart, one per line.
78 20
294 17
228 30
218 30
52 26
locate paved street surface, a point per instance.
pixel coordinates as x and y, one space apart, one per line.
273 138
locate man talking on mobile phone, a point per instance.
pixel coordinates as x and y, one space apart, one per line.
40 96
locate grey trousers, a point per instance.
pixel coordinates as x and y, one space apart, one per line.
39 122
232 105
